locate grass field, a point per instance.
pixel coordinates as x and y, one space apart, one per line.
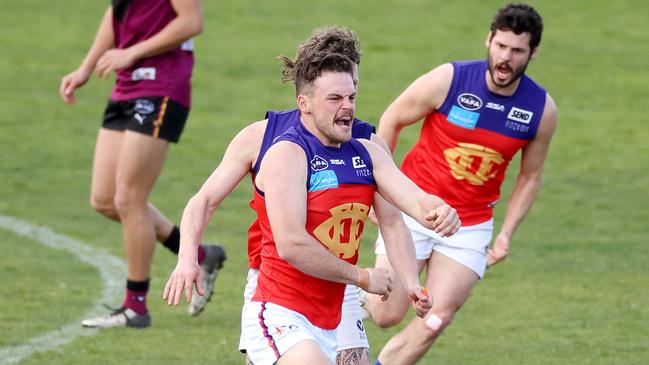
575 289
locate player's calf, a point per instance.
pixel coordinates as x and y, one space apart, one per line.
385 314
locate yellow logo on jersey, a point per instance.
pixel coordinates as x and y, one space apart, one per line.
341 233
474 163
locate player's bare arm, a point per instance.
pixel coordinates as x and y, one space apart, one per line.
381 143
284 186
103 42
187 24
236 163
401 253
421 98
528 183
429 210
399 246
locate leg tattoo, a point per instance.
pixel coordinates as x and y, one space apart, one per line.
355 356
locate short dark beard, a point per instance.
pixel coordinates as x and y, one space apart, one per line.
516 74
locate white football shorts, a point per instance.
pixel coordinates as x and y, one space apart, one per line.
271 330
248 292
351 331
468 246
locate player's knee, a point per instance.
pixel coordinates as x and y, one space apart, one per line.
125 201
104 205
436 322
385 318
389 313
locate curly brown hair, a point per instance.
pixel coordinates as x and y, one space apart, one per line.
519 18
323 42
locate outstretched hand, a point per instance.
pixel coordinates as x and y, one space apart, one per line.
184 277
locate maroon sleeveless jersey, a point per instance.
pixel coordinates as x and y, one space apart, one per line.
165 74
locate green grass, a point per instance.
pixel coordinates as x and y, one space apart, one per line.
574 291
49 296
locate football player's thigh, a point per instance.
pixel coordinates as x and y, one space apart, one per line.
140 163
307 349
104 167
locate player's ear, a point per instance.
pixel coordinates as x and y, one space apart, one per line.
534 52
487 41
304 104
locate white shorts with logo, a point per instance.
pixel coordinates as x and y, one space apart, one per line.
468 246
351 331
271 330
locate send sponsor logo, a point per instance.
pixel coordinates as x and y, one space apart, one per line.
520 115
321 180
463 118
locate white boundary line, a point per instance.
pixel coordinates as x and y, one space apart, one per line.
111 269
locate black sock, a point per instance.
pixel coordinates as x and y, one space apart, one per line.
173 241
137 285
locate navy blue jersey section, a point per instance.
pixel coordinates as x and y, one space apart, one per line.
362 129
331 167
280 121
470 104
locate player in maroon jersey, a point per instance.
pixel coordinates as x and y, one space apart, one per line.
148 44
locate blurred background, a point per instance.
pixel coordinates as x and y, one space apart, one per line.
575 289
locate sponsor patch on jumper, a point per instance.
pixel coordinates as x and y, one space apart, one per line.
322 180
318 163
463 118
363 172
337 161
518 127
495 106
143 73
520 115
469 101
358 162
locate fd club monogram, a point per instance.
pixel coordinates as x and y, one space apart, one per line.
474 163
341 233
